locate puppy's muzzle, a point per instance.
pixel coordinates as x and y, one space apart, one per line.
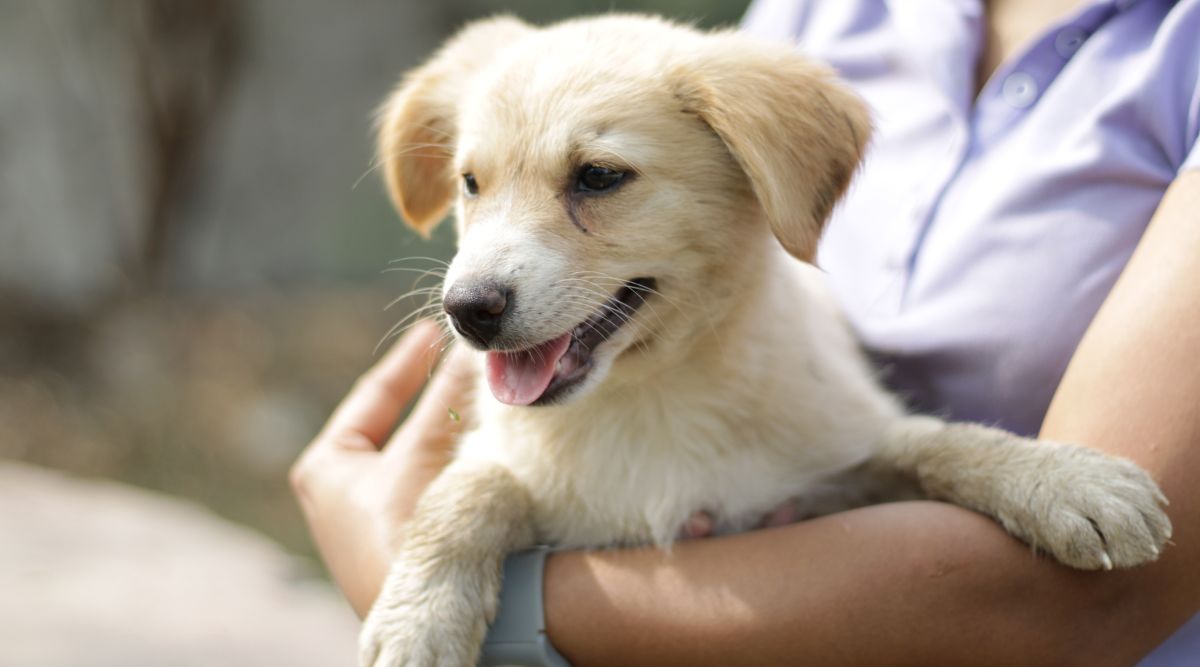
476 308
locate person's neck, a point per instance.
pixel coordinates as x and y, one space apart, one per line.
1010 25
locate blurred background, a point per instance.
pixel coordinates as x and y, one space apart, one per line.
194 266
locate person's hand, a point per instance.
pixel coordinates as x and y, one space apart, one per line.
358 482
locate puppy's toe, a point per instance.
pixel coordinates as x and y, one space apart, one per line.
1071 538
1104 512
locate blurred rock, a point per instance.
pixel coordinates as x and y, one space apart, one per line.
101 574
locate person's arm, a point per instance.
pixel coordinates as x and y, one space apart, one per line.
931 584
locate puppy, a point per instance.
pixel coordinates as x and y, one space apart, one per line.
637 203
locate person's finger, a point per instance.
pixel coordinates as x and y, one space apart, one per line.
381 394
442 412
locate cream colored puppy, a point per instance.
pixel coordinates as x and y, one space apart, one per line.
632 197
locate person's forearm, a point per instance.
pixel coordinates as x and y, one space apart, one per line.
916 583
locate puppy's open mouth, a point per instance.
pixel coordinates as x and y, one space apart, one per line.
540 374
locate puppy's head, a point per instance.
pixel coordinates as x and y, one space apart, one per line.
613 179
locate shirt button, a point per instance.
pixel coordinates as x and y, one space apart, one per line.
1068 41
1019 90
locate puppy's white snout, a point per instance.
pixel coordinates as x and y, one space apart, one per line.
476 307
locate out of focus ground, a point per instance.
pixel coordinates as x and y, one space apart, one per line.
105 575
206 399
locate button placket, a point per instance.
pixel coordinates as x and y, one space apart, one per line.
926 197
912 218
1018 87
1068 40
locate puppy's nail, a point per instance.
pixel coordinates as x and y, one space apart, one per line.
1108 564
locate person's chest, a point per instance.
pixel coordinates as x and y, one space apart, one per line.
1010 25
983 231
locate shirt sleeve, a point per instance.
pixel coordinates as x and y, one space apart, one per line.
1191 160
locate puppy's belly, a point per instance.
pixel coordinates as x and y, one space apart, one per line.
603 513
593 487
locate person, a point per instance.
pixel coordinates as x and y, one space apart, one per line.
1019 249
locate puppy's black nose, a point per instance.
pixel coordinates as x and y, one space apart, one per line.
476 309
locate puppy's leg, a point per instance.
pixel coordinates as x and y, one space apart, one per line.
1087 509
443 586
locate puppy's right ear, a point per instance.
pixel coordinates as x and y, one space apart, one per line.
417 124
795 131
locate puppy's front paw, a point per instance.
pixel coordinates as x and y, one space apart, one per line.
1092 511
421 624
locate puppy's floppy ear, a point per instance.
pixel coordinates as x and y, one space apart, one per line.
417 125
796 132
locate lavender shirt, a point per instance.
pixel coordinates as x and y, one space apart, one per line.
981 235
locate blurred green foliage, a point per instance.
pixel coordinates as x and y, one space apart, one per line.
704 12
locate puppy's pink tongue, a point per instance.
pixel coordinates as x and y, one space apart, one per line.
520 378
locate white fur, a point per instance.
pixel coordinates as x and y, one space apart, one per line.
735 432
737 387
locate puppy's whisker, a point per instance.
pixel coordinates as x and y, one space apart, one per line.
440 273
625 311
430 292
637 287
408 321
408 151
432 129
435 260
396 330
688 313
426 289
624 306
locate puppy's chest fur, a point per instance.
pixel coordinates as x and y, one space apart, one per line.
733 431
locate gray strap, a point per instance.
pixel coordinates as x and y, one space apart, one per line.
518 635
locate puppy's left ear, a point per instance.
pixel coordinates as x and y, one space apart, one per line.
796 132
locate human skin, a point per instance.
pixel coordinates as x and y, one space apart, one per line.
918 583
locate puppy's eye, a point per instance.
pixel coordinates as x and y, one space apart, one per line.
470 186
597 179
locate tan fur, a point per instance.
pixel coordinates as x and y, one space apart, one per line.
737 387
418 121
761 131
